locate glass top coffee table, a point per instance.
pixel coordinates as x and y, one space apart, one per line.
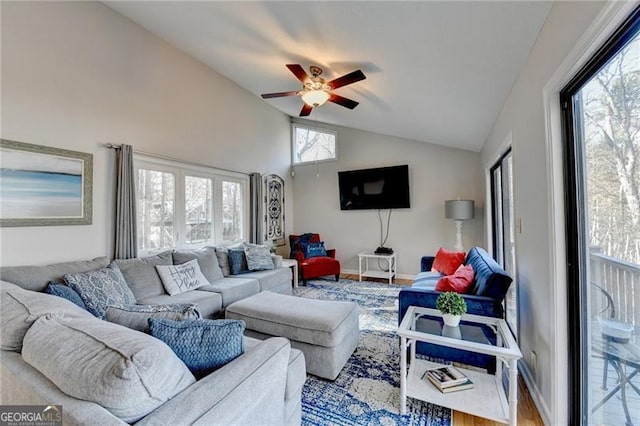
487 398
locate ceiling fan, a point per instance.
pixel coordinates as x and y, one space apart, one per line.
316 91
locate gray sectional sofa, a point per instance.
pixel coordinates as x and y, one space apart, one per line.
262 386
224 288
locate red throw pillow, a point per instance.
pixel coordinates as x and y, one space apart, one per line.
447 261
458 282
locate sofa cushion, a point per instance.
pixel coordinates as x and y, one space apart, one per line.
180 278
101 288
296 371
272 279
490 279
37 278
207 260
427 280
20 308
238 261
209 304
203 345
137 317
447 261
66 292
127 372
141 274
459 282
233 289
258 257
319 266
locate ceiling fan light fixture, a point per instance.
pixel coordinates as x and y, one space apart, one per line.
315 98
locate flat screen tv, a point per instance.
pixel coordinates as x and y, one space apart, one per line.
379 188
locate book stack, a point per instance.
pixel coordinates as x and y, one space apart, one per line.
448 379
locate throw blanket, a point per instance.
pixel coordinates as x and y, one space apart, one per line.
299 243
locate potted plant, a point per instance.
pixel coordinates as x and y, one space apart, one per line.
452 306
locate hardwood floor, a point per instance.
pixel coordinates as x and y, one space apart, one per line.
527 412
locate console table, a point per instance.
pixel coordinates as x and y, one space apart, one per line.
389 274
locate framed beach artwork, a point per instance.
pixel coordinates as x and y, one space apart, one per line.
44 186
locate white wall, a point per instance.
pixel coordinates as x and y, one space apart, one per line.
436 174
539 245
76 75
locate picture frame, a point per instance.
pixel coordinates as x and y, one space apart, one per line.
44 186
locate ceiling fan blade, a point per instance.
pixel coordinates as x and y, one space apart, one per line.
306 110
346 79
345 102
299 72
278 94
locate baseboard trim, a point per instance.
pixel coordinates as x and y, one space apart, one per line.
536 396
401 276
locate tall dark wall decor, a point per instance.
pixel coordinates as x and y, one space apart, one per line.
274 210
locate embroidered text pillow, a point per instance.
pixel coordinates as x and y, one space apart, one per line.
180 278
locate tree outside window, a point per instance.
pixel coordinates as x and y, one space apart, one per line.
311 144
611 108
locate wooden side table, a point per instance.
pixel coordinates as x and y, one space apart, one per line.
293 264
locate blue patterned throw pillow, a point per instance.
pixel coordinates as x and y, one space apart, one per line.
66 292
314 250
203 345
258 257
101 288
238 262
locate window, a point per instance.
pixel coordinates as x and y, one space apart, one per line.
601 109
182 206
504 245
198 205
156 201
312 144
232 208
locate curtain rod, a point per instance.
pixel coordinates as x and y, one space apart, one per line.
166 157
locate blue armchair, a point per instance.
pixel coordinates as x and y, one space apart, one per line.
485 297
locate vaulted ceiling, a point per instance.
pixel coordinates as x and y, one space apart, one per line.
436 72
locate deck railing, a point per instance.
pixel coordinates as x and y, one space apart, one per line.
622 281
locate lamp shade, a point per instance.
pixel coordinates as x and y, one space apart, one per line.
458 209
315 98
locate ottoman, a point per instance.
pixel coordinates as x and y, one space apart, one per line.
326 331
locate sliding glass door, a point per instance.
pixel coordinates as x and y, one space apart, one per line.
503 226
601 107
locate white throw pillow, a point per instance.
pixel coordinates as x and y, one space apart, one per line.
180 278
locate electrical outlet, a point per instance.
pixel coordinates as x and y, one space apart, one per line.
534 362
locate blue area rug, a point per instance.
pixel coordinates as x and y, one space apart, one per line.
367 390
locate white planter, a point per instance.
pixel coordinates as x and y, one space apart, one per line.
453 332
451 320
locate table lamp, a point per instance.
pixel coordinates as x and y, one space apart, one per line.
458 210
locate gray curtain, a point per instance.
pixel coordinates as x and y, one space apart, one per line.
255 208
126 233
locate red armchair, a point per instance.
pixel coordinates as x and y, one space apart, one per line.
314 267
